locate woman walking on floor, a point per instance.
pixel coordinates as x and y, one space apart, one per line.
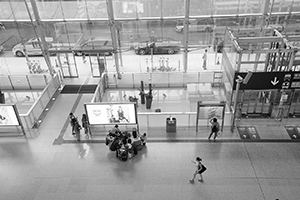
200 168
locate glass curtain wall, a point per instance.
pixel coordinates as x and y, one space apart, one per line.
150 34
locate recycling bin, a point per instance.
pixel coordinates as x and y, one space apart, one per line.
171 125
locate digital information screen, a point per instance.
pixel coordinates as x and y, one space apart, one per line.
111 113
8 116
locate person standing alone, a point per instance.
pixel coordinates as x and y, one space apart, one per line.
204 57
215 127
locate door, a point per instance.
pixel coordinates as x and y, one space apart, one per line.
67 64
282 104
263 103
295 104
256 102
98 65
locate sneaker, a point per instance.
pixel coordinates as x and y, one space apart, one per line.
191 181
200 180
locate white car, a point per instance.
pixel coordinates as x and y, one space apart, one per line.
32 47
204 25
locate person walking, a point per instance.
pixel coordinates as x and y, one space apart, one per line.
85 124
204 57
215 127
72 119
200 168
77 129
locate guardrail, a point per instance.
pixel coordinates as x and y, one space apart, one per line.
24 82
100 90
158 79
31 118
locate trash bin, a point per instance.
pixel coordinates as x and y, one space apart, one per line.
171 125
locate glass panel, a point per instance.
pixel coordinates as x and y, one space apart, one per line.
171 8
36 81
72 9
5 10
5 83
19 82
191 77
138 77
44 99
134 8
206 77
142 119
19 10
176 80
224 7
37 110
160 79
205 7
125 81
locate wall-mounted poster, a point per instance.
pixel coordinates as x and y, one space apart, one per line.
8 116
210 112
114 113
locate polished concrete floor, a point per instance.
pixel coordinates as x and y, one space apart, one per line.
36 167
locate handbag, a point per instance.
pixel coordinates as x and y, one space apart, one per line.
203 169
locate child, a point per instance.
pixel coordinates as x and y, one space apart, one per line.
144 138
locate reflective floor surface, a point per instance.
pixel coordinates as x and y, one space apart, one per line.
35 167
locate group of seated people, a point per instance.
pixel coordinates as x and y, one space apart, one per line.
124 143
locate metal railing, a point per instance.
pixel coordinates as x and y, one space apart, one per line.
24 82
31 118
159 79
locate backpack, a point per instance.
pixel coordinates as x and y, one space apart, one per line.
115 145
214 129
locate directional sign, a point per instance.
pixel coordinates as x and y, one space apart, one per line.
248 132
269 80
293 132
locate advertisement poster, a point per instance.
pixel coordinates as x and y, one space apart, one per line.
210 112
8 116
111 113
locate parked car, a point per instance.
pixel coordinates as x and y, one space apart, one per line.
94 46
32 47
159 46
199 25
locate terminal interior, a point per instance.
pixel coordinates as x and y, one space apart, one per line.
180 63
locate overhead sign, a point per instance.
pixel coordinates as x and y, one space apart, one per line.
269 80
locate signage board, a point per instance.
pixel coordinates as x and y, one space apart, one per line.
8 115
111 113
269 80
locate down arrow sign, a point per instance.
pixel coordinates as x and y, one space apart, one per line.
275 81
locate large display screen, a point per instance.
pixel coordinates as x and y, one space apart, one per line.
8 116
113 113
